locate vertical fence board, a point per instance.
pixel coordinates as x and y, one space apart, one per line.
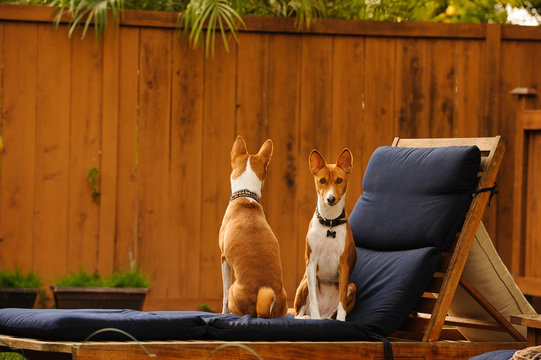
509 79
186 146
218 135
18 133
469 113
109 151
442 88
411 88
52 152
347 110
315 128
533 208
378 94
281 187
126 244
154 152
85 136
252 78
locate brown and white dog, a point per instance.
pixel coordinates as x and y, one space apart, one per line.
250 251
325 290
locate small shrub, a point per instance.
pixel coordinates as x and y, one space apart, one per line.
133 278
17 279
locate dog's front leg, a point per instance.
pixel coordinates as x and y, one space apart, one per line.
311 277
227 277
343 283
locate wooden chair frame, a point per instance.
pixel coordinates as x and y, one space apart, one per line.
425 325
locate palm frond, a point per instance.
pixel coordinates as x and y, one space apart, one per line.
212 15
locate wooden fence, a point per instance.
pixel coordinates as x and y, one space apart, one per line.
158 119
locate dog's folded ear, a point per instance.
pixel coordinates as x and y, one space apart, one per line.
265 152
317 162
345 160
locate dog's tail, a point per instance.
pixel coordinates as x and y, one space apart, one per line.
265 302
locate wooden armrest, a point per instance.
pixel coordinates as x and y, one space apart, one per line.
533 325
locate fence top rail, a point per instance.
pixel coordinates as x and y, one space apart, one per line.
139 18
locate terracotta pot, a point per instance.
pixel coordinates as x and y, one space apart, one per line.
99 297
18 297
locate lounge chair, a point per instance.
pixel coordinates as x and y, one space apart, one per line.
416 329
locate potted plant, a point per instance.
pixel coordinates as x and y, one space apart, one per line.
18 289
122 290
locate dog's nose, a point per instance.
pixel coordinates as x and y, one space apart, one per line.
331 199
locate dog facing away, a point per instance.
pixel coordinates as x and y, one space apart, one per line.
250 251
325 290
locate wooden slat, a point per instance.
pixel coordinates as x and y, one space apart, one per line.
529 285
186 156
109 152
154 152
378 89
218 134
283 117
316 85
126 244
411 109
348 70
492 311
85 148
469 115
18 130
51 200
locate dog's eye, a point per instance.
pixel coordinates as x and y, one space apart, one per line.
322 180
339 180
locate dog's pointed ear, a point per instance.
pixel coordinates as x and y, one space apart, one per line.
317 162
345 160
239 147
265 152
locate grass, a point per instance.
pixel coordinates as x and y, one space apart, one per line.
11 356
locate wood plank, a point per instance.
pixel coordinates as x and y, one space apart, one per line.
186 163
315 112
109 151
379 125
219 105
532 236
154 157
84 149
18 131
529 285
126 253
347 110
283 96
469 81
411 108
252 86
442 65
51 199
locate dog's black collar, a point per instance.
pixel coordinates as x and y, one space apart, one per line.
332 222
244 193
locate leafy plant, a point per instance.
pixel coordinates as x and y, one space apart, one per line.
18 279
204 307
133 278
93 177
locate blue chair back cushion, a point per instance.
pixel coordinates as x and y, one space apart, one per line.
495 355
415 197
389 284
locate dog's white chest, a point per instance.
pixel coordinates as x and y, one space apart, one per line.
326 250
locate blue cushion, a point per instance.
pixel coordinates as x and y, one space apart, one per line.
389 284
495 355
415 197
77 324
